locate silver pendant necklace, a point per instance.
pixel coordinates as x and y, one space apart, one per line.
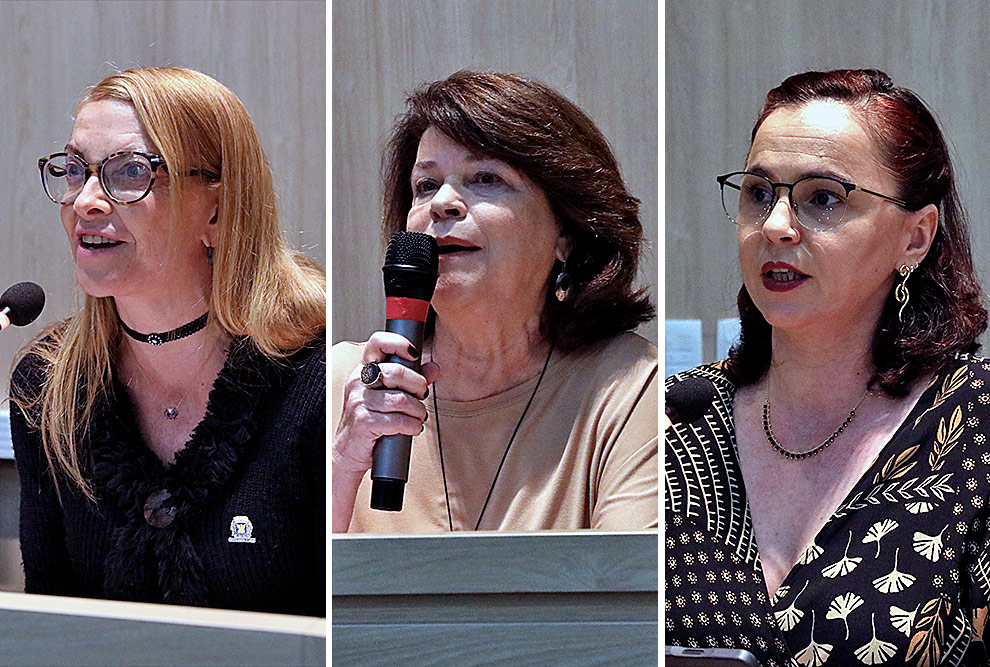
443 471
170 412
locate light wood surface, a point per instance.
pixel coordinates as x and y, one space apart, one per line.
551 598
721 60
600 54
49 630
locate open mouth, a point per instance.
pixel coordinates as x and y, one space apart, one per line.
95 241
454 248
781 277
784 276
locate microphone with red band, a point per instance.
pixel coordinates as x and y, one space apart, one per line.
410 271
687 401
403 308
21 304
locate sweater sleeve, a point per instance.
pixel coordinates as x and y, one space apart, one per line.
47 568
627 494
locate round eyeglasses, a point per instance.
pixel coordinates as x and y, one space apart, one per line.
126 176
819 202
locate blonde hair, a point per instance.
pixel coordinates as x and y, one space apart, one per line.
261 288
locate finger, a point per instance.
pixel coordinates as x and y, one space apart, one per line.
394 401
383 343
392 423
430 371
396 376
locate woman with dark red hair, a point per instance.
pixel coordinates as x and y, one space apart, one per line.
833 507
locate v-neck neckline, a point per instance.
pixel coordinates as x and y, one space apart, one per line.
882 455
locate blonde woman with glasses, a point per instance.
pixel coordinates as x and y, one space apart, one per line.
170 435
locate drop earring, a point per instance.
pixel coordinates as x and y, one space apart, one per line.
209 255
901 293
562 287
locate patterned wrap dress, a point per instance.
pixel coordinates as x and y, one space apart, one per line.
898 575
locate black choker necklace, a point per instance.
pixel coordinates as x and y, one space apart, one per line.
166 336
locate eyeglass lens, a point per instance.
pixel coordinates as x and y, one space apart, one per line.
819 203
126 177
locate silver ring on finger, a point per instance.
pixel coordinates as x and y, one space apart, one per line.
371 376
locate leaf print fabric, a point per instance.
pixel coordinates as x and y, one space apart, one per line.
842 606
875 652
815 654
898 575
929 546
843 566
878 530
896 581
902 620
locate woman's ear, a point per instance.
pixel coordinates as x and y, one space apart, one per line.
921 228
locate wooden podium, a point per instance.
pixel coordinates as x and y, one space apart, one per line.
549 598
50 630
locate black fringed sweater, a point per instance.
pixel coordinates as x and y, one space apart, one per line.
244 501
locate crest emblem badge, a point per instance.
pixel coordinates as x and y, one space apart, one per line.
241 529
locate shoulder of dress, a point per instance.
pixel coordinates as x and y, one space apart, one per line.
715 373
978 365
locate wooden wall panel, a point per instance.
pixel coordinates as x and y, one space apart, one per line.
722 58
600 54
271 54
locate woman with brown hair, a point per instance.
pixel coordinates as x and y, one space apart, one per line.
543 407
170 435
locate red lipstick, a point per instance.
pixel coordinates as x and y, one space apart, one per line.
781 277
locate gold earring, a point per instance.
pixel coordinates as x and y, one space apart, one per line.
901 291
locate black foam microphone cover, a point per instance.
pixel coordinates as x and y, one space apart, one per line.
688 400
24 302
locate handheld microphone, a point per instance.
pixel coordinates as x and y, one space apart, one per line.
688 400
21 304
410 271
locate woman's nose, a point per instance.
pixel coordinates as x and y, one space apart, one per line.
92 200
781 225
447 203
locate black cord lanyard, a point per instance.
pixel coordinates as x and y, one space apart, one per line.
443 471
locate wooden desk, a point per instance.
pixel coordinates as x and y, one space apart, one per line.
50 630
574 598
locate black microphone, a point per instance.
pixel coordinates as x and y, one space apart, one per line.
411 271
688 400
21 304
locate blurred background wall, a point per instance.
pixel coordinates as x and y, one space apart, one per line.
721 60
601 54
272 54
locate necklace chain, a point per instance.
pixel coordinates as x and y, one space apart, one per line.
443 471
797 456
170 412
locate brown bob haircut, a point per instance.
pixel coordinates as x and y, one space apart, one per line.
944 316
534 129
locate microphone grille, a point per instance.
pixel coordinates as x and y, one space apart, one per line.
413 249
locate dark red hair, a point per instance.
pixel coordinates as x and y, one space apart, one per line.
945 315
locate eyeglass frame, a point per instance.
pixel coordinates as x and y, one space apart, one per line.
846 185
155 161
